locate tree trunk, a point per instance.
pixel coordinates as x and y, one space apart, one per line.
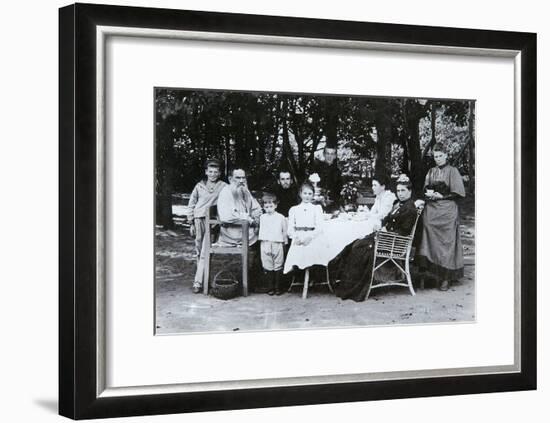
299 139
463 150
288 156
471 143
240 142
315 143
275 133
226 155
331 125
433 122
260 142
413 114
405 164
250 151
165 173
165 201
433 117
383 144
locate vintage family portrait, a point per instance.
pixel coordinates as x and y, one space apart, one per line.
297 210
235 186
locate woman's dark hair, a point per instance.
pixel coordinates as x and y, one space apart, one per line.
406 184
306 185
382 180
439 147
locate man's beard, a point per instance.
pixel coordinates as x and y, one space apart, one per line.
241 192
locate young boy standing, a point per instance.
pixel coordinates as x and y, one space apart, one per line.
273 236
204 195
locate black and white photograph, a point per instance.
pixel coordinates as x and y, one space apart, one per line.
275 211
284 211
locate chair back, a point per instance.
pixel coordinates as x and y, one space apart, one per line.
395 249
212 215
209 221
213 224
395 245
419 211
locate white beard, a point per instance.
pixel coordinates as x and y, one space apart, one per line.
241 193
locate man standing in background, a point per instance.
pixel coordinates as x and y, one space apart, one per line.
331 178
286 192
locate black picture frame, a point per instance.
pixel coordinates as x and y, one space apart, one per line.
78 199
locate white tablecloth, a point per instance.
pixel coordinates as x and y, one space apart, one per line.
335 235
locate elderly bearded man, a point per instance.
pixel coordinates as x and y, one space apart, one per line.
235 206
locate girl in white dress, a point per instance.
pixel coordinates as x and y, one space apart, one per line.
305 223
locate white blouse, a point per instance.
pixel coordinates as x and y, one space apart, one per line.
382 205
305 215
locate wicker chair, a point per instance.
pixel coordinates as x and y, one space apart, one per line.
393 248
211 249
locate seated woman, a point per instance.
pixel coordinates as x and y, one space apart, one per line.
440 250
353 266
383 203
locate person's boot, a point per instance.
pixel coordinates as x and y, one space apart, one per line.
270 283
278 281
444 285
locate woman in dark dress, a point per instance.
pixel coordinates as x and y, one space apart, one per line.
440 250
353 266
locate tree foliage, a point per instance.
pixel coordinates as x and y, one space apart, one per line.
265 132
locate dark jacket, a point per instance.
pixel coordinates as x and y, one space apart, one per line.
286 197
331 178
402 217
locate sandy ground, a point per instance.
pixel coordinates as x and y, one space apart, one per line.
178 310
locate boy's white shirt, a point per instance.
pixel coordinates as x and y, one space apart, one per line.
273 227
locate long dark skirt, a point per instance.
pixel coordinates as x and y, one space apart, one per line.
353 267
440 250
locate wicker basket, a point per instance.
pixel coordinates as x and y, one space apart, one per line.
225 288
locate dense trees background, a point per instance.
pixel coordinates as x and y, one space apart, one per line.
267 131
